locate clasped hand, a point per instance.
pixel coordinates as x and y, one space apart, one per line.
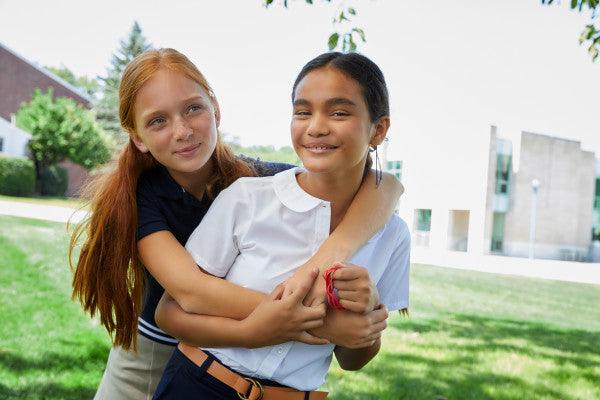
298 307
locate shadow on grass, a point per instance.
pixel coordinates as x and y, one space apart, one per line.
47 391
48 375
456 358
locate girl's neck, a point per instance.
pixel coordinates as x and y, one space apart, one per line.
194 182
337 188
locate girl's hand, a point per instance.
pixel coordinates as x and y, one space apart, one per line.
316 294
278 320
351 330
355 289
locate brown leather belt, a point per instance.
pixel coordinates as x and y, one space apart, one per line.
246 388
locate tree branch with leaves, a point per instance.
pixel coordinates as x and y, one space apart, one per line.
346 35
590 36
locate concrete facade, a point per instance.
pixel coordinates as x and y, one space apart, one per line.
564 201
479 206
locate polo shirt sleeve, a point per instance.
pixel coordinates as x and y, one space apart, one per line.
393 285
214 243
150 217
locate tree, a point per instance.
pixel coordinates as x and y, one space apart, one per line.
107 109
345 36
62 129
591 33
89 85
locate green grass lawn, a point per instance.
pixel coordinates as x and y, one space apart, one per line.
72 202
470 335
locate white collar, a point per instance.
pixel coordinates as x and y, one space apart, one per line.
291 194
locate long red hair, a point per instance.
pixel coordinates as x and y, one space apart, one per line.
109 277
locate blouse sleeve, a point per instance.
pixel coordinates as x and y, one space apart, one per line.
393 285
214 244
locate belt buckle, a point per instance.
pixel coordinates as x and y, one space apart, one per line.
256 383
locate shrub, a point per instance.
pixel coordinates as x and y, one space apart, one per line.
17 176
55 181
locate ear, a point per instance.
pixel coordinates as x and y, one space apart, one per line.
138 143
381 128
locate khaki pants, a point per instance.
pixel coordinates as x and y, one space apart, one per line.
134 376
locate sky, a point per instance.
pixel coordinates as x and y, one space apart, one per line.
453 68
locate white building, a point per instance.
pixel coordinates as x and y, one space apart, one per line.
13 141
467 197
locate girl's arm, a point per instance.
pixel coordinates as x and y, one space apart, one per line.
196 292
370 210
274 321
355 359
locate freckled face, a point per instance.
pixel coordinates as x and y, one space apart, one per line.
331 129
176 122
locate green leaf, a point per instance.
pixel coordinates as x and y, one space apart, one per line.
360 33
268 3
351 11
333 41
352 44
574 4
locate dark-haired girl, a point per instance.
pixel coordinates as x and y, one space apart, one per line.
259 229
144 210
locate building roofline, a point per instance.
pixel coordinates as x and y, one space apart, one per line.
551 137
79 92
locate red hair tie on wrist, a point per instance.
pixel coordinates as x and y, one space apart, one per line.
332 297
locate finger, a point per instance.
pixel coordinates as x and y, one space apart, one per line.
349 295
347 273
307 338
304 286
365 344
310 314
378 327
308 325
277 292
287 291
353 306
340 264
378 315
346 285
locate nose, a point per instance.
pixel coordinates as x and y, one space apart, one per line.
318 126
181 129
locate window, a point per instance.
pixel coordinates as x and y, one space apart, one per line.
394 167
422 220
503 171
1 144
498 233
421 227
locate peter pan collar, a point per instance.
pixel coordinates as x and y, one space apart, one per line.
291 194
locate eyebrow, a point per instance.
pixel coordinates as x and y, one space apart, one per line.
146 117
335 101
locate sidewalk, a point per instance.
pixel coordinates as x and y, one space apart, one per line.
41 211
545 269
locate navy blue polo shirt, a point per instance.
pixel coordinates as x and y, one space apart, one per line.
163 205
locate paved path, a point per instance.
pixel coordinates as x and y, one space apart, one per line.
41 211
545 269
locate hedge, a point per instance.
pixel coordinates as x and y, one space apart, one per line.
17 176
